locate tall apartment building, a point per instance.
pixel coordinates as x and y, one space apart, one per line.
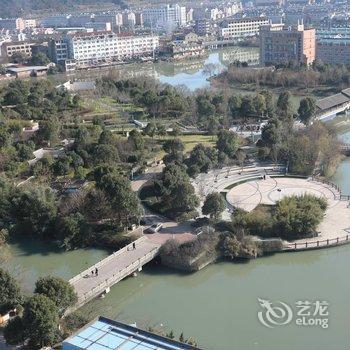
242 27
281 44
203 27
12 23
58 50
129 19
89 49
164 15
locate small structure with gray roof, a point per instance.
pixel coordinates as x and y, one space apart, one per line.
329 107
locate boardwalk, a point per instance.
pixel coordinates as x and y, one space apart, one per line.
113 269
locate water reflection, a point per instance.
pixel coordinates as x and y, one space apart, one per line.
191 73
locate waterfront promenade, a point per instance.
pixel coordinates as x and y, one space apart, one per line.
335 226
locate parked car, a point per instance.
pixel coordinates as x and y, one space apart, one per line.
155 227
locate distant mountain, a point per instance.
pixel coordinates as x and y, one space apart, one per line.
14 8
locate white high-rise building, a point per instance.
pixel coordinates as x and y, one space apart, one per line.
164 15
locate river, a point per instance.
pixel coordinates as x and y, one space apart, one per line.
217 306
193 74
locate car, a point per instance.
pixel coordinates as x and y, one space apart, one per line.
155 227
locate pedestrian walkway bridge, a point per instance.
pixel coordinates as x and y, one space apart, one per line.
112 269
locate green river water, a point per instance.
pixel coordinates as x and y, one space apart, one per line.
217 306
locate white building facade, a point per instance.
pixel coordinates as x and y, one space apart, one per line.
243 27
91 49
165 15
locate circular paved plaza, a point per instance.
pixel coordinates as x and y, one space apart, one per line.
252 193
248 195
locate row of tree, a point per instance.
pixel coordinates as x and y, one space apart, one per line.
319 74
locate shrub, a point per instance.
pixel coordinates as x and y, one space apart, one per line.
298 216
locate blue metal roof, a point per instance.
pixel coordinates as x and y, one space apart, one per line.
106 334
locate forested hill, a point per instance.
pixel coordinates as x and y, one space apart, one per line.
13 8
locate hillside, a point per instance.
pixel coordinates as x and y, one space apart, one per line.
12 8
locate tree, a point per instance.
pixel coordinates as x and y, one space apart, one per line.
248 107
106 137
18 57
124 202
161 129
269 100
241 156
76 101
174 149
136 139
235 105
307 109
284 105
10 294
201 159
260 104
173 146
48 131
73 229
33 210
14 97
39 59
298 216
41 318
271 133
214 205
227 142
58 290
182 338
204 106
14 332
25 150
176 192
2 69
150 129
105 154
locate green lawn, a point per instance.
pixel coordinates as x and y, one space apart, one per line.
190 141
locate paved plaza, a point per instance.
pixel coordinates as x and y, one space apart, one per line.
336 222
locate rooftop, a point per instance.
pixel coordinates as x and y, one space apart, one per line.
332 101
27 68
106 334
346 92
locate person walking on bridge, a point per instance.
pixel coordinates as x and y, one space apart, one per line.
96 271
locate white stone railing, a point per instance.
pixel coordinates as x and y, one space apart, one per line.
105 260
115 278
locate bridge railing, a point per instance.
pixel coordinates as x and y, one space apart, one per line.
317 244
117 276
105 260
